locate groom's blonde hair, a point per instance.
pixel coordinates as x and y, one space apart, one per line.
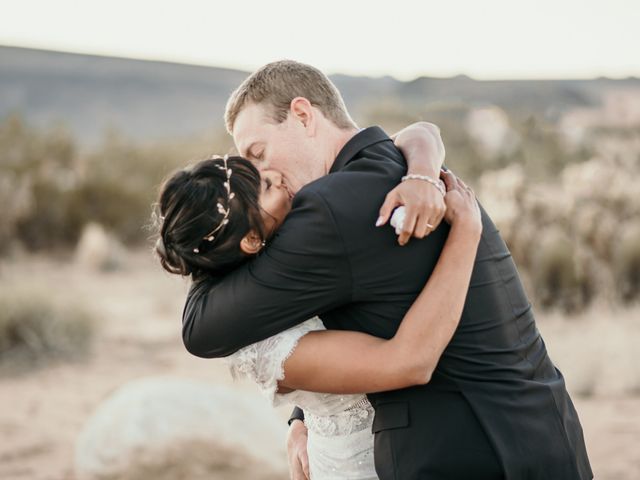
278 83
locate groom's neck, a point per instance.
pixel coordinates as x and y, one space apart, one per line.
338 141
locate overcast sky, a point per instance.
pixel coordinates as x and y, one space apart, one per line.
404 38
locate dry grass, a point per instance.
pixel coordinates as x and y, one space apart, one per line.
194 460
35 329
597 350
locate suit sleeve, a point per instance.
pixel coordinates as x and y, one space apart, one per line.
302 273
296 414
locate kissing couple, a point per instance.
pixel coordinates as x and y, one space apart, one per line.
403 359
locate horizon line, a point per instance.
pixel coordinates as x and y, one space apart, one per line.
248 71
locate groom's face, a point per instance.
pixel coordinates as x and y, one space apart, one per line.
285 147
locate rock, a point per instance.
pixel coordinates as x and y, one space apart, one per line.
172 428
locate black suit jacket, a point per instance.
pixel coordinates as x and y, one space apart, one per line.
329 259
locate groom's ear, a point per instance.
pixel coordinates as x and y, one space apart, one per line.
301 110
251 243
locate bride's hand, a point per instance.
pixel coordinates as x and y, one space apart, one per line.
297 451
462 205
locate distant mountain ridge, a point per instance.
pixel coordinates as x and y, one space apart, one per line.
151 100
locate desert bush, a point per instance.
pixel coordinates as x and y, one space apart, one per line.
531 142
490 129
626 262
16 199
49 222
541 152
462 155
50 188
37 167
35 329
557 278
501 193
98 250
528 181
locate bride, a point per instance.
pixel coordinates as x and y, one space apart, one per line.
220 213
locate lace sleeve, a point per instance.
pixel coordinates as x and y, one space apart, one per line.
263 362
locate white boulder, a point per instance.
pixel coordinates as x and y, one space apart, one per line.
172 428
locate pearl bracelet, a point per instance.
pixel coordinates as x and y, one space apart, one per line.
426 178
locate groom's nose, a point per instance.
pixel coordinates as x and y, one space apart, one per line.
277 178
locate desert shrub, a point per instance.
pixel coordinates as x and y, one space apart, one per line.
119 184
626 262
35 329
529 182
462 155
390 114
554 271
532 142
541 152
98 250
50 188
16 199
37 167
49 222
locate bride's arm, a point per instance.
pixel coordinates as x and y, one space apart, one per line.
334 361
423 149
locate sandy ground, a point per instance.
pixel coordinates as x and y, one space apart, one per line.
139 310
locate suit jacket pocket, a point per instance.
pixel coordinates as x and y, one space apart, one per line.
390 415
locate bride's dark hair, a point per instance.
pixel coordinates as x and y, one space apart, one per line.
187 211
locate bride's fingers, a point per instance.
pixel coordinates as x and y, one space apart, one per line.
458 184
408 226
449 179
424 226
466 187
304 459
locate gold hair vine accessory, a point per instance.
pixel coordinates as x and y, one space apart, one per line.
225 211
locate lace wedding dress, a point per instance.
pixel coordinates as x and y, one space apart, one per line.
340 443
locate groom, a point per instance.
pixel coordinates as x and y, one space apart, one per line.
496 407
